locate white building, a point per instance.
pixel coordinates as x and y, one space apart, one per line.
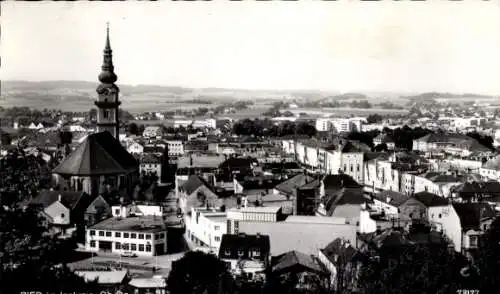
206 227
138 229
175 147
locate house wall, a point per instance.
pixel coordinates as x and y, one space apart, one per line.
201 228
159 237
352 164
447 221
329 265
366 223
380 206
350 212
175 148
59 213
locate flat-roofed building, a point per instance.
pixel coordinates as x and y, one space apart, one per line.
142 235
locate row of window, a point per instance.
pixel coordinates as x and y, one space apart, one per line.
127 246
128 235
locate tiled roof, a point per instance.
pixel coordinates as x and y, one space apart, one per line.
193 183
245 242
143 224
99 154
339 181
490 187
68 198
429 199
471 214
290 260
290 185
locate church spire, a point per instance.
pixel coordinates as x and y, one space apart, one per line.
107 75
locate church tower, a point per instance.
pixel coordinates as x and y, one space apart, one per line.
107 102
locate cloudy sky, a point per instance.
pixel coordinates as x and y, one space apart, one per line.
343 46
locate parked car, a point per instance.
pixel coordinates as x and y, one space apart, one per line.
129 254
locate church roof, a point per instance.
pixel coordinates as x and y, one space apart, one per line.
99 154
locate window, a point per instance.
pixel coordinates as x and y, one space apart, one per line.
473 240
108 234
357 167
148 248
345 167
439 215
92 233
352 168
148 236
117 211
157 236
485 227
125 246
141 236
162 236
216 228
256 253
62 215
217 239
118 245
240 252
227 252
106 114
125 235
133 236
141 247
92 244
133 247
118 235
101 233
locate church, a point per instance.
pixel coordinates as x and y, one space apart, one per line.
101 164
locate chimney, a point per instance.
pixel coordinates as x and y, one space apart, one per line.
257 235
59 197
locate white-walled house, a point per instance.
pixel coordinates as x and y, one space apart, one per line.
135 148
139 229
205 227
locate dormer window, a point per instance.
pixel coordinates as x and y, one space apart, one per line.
256 253
227 252
240 253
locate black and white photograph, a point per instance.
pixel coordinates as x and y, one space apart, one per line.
241 147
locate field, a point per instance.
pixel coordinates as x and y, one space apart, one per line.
348 111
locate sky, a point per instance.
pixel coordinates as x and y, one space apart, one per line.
341 46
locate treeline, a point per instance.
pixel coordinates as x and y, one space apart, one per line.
52 115
403 137
266 128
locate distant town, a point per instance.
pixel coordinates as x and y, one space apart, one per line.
337 194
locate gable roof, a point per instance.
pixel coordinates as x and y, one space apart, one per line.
237 162
99 154
430 200
68 198
290 185
245 242
471 214
339 181
290 260
490 187
193 183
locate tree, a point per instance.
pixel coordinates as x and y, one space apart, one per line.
374 118
5 138
200 273
488 258
414 269
30 255
133 129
